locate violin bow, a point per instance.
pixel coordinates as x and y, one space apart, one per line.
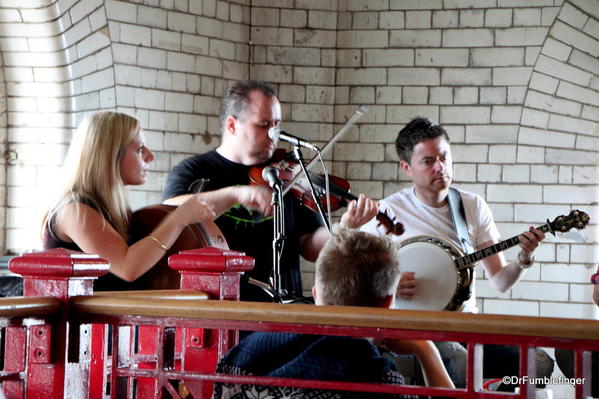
357 115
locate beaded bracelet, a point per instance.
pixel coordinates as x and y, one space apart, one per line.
595 278
158 242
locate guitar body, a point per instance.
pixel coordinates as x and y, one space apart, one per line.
199 235
441 285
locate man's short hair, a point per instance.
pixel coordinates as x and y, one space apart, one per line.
356 269
415 132
237 98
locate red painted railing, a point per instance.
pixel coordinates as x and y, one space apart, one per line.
63 341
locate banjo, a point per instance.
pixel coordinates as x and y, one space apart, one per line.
445 273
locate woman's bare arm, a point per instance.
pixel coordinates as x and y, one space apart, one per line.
87 228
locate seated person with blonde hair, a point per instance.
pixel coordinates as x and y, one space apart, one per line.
92 214
353 269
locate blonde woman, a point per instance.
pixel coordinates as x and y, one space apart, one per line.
108 152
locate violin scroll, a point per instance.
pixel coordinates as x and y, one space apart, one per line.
390 225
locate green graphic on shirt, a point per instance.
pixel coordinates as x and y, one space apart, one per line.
253 217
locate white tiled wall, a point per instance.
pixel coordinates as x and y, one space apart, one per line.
514 82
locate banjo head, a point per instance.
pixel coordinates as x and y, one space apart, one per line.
431 260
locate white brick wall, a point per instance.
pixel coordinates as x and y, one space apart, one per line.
58 64
556 120
489 60
3 138
515 84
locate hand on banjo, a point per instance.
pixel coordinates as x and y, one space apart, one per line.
407 285
529 242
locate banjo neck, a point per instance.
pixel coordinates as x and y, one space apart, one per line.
468 260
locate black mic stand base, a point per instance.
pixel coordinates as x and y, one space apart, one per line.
290 298
283 296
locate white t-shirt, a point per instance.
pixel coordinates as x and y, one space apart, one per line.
421 219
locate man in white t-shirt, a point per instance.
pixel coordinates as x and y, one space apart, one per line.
425 156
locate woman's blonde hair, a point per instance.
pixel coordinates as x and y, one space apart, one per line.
92 171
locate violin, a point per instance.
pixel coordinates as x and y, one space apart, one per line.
338 188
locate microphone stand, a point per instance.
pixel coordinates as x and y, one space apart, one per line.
300 158
278 240
274 286
275 290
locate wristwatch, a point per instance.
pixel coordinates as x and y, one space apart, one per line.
524 266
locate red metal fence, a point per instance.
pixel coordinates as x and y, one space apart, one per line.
61 340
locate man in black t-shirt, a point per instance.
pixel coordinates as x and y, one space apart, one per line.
249 109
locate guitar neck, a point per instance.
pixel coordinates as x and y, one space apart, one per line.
474 257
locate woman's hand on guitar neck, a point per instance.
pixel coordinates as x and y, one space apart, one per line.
407 285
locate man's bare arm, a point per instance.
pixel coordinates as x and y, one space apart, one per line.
253 197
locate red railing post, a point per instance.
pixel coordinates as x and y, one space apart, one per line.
217 272
59 273
14 360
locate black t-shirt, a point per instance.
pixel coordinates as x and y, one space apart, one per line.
246 230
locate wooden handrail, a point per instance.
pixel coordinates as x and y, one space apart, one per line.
157 294
29 306
338 316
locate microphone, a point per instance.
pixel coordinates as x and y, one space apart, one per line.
275 133
271 175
